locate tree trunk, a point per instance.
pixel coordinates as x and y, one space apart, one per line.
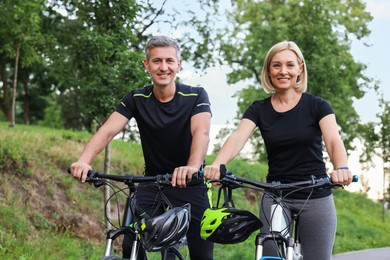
26 103
5 106
15 81
384 194
107 189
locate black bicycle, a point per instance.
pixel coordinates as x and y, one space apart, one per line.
165 232
235 226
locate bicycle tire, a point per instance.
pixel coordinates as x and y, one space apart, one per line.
111 258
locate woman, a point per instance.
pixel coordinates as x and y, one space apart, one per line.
293 124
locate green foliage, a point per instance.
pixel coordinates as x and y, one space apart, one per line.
376 139
89 53
323 30
20 24
52 117
97 66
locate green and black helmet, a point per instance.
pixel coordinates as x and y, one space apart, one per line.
228 225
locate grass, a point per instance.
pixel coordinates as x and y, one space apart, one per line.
360 224
45 214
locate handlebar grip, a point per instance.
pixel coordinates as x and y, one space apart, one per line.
90 172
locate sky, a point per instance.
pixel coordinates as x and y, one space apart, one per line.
376 57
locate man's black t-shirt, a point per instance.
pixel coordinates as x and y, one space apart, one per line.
293 139
165 128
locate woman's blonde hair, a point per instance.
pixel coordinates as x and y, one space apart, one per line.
266 83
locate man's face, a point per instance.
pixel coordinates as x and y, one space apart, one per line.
163 65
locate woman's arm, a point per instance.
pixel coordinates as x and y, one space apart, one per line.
233 145
336 150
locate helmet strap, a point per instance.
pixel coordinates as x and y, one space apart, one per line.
227 196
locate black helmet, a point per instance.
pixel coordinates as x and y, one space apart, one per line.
228 225
164 231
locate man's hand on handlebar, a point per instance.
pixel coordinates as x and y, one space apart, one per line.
79 170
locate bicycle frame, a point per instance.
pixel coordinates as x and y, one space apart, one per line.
281 230
126 228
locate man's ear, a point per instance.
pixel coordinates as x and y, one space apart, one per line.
146 63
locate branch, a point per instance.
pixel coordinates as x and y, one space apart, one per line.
158 13
257 75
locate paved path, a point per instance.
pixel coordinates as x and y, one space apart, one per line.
368 254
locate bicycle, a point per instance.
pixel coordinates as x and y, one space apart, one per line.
144 230
235 226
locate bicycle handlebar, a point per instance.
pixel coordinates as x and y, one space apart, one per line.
96 178
228 179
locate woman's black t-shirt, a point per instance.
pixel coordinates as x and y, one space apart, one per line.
293 140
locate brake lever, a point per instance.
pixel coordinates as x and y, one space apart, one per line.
338 185
96 182
227 182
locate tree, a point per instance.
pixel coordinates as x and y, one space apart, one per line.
322 29
99 64
73 45
20 36
377 143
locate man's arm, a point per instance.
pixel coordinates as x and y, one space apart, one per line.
115 123
200 130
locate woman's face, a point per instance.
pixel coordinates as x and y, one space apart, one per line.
284 70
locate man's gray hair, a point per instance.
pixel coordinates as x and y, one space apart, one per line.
161 41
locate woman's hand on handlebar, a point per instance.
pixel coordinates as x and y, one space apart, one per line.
342 176
212 172
182 175
79 170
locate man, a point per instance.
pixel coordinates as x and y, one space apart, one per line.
174 124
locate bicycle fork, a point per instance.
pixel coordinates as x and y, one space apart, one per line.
289 247
280 240
297 240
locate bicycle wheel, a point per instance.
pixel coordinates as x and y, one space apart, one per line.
111 258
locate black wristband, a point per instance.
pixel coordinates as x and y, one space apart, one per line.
343 168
